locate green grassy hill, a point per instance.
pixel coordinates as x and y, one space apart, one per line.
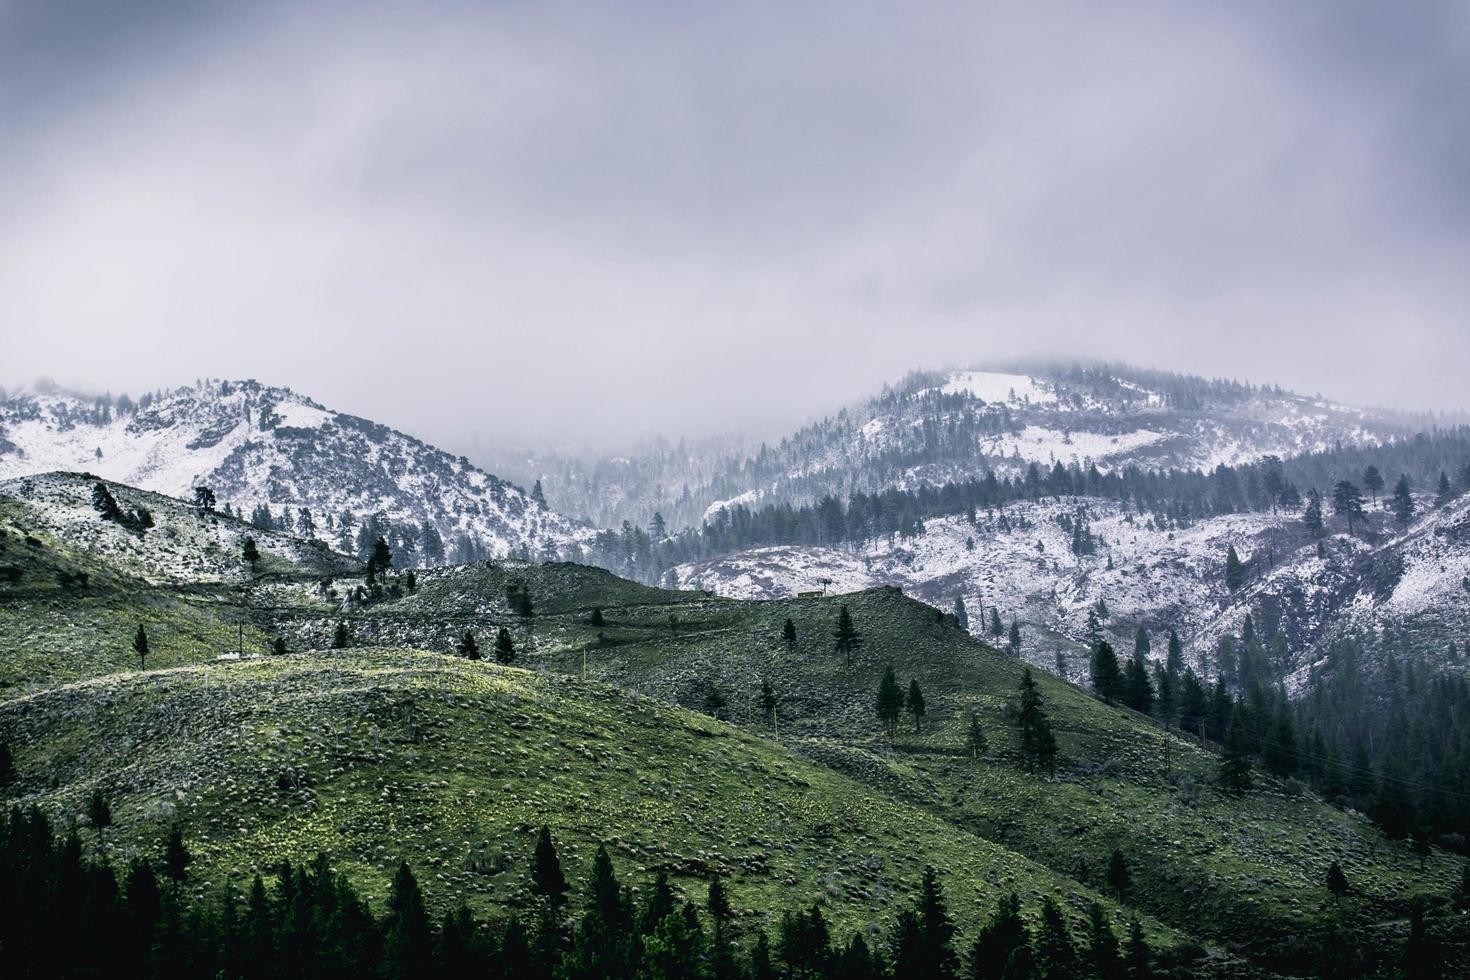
377 754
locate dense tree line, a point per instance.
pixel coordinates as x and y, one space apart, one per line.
66 912
1167 499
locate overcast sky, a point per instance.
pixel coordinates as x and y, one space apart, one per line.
580 222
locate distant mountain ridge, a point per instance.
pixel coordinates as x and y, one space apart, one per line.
254 445
939 426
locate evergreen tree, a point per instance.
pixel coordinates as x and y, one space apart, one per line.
1038 744
924 940
889 703
1107 679
1337 882
996 629
8 774
1104 955
204 498
768 702
975 740
278 646
1347 501
468 648
596 619
999 941
1373 482
1015 638
251 554
788 633
547 879
176 856
140 646
1281 749
505 647
914 703
847 638
1138 690
1235 760
380 561
1120 878
1138 952
1445 492
1312 515
538 496
1055 955
961 614
340 639
1174 662
716 902
99 811
1234 570
408 944
1403 502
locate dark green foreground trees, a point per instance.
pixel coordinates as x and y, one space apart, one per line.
63 913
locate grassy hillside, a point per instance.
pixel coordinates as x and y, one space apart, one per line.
379 756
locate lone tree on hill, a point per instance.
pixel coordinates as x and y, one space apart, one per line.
889 703
340 639
468 648
505 647
768 702
99 811
547 879
596 618
204 498
914 702
251 554
975 739
1337 882
1038 744
788 633
847 638
140 646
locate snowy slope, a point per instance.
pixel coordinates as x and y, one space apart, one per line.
1416 584
253 444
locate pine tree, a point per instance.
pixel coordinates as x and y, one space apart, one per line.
1056 956
889 703
1107 679
538 496
1312 515
8 775
99 811
251 554
380 561
975 740
140 646
1138 952
176 856
1281 750
788 633
278 646
408 944
505 647
547 879
848 640
1138 690
596 619
1234 570
468 648
1014 644
1445 492
1000 941
914 702
1373 482
768 702
1120 878
1104 955
1038 744
961 614
716 902
340 638
204 498
1337 882
1347 501
1235 760
924 945
996 629
1403 502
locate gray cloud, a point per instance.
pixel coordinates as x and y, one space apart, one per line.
582 222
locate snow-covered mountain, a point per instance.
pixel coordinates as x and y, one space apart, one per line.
1408 591
257 446
935 427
